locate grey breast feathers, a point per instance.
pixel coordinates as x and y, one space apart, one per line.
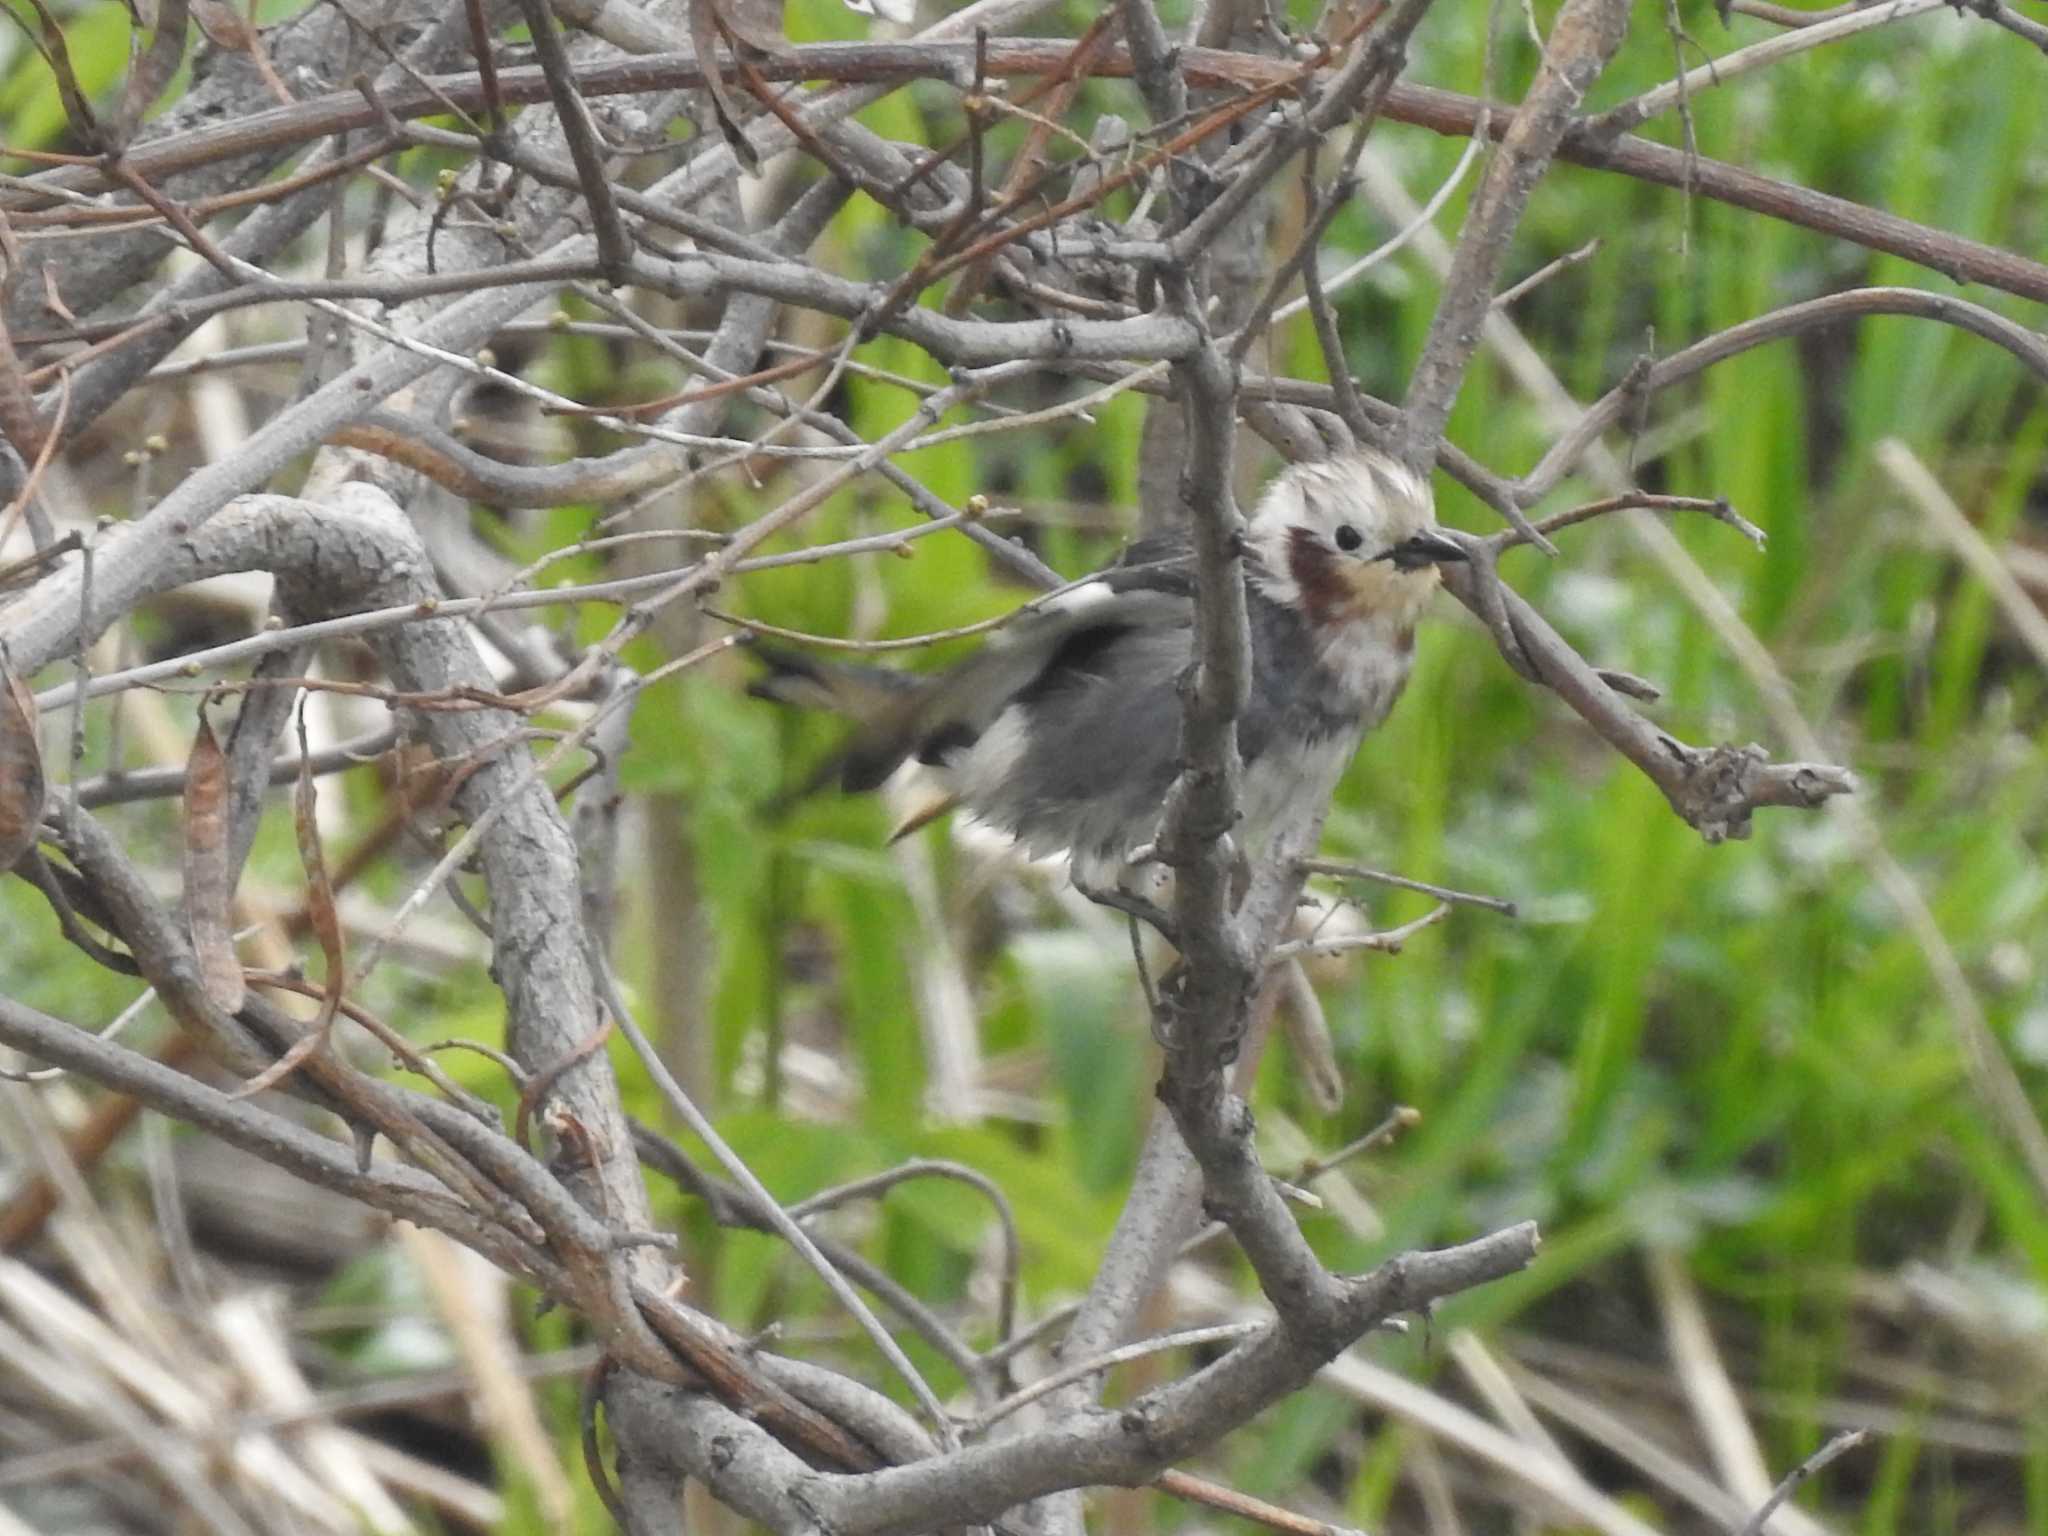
1295 698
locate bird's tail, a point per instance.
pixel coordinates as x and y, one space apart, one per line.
883 704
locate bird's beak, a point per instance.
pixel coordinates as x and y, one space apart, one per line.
1432 546
1437 545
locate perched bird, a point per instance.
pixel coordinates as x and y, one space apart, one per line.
1065 730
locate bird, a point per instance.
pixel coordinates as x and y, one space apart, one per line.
1064 730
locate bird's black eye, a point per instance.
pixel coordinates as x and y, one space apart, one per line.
1348 538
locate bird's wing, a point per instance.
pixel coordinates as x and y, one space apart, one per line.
1148 589
1059 640
1159 562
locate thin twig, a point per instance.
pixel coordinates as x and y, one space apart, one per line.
1395 243
785 1227
1638 110
1346 871
1229 1501
1389 942
878 1184
1843 1443
1713 506
1543 274
1186 1338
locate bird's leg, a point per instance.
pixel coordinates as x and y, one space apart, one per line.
1153 1011
1131 904
1134 907
1122 898
1106 881
1225 833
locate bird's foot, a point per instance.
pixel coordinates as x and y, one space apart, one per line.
1240 865
1131 904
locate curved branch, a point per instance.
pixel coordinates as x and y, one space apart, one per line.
395 1188
1559 459
1558 462
1715 789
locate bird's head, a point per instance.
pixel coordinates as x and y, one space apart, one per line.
1349 541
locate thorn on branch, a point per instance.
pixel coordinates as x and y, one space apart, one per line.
1629 685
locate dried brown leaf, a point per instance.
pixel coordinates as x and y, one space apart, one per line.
224 26
24 788
321 917
321 914
207 892
53 298
1308 1033
756 22
50 43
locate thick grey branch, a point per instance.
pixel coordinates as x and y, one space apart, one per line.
1582 40
1131 1446
1208 1010
394 1188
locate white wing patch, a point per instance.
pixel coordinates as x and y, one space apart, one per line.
889 10
1080 599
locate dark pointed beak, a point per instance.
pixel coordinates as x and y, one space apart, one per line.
1430 547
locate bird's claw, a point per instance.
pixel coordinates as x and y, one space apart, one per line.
1117 899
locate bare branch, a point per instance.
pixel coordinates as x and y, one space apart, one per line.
1715 790
1582 40
1835 1448
1131 1446
1607 411
1632 114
